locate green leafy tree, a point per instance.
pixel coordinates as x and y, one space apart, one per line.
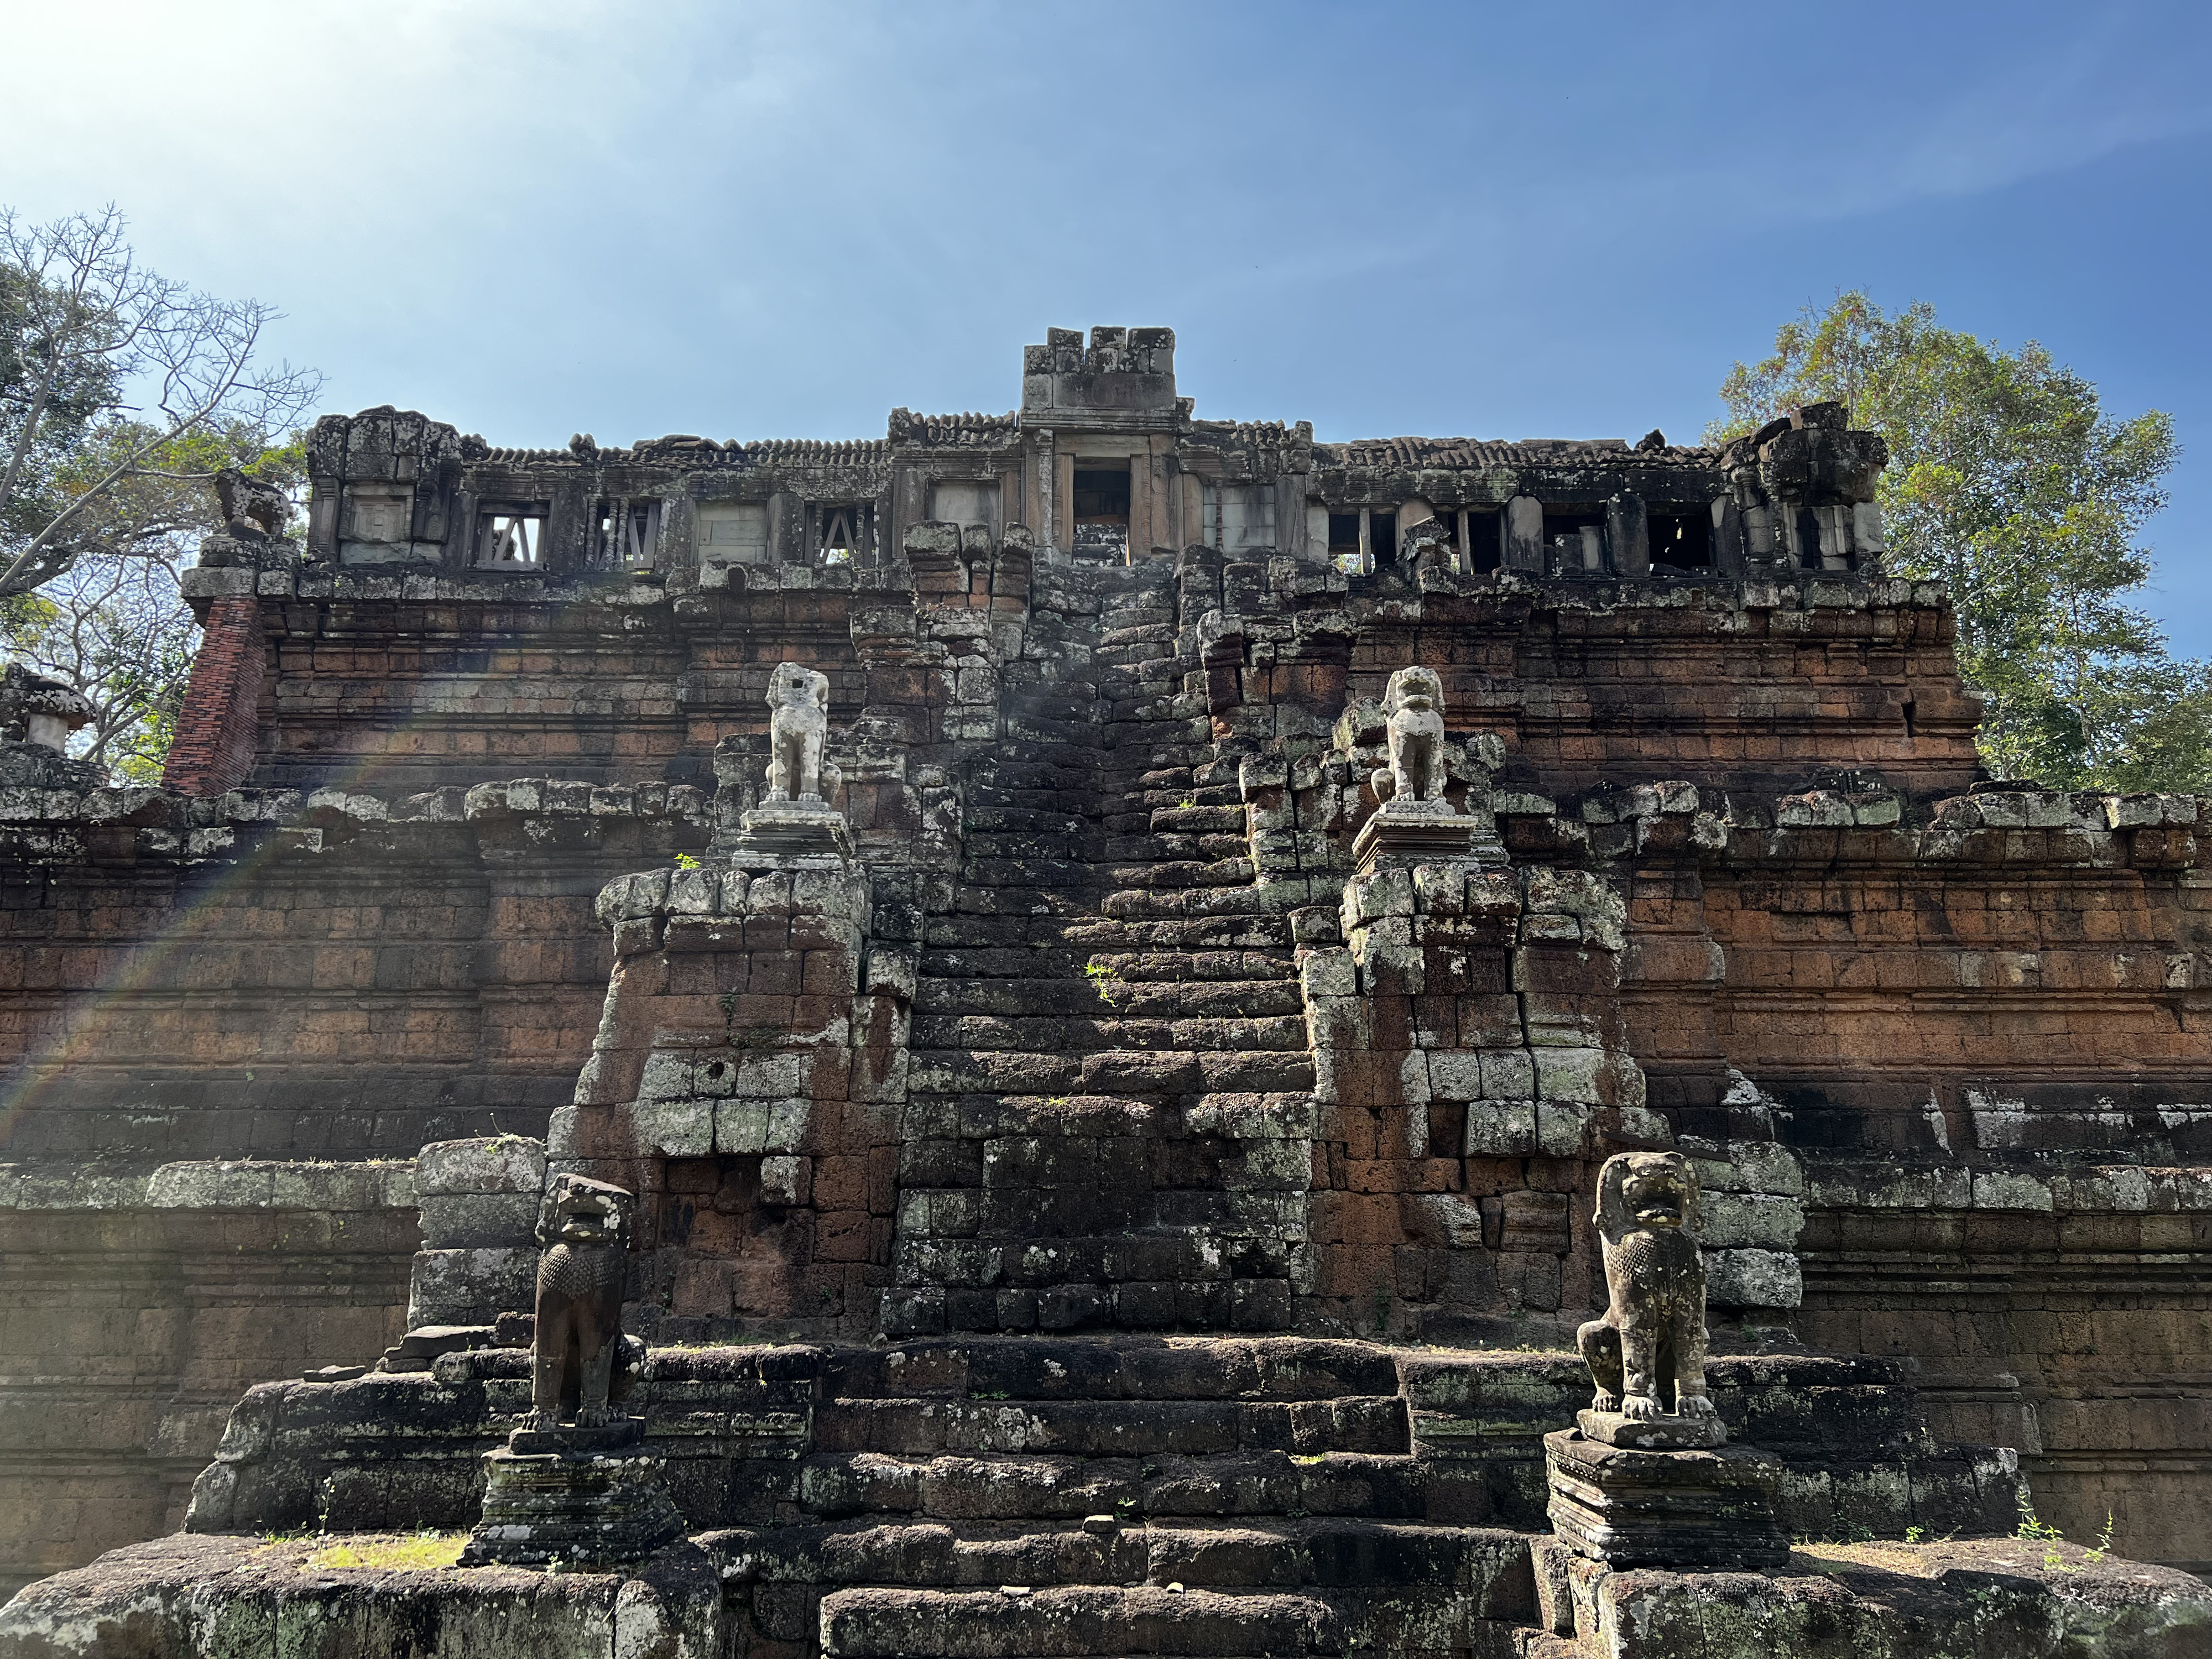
2010 483
122 394
117 387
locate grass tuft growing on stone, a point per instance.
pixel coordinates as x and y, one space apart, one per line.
420 1551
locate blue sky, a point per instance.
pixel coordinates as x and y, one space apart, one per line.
535 219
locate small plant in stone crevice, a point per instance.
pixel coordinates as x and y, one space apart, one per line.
2033 1530
685 861
1110 985
2104 1541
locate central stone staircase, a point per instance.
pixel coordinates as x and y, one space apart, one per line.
1063 1499
1110 1112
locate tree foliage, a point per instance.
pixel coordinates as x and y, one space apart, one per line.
2008 482
122 394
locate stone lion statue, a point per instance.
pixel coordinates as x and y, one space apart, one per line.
1647 1355
1413 707
583 1226
250 504
798 724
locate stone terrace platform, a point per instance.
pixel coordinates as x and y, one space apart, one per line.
1029 1456
1335 1589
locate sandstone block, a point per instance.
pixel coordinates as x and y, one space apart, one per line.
1456 1074
1752 1279
1509 1074
1501 1128
1329 973
479 1220
490 1164
674 1128
1562 1127
469 1286
787 1181
1750 1220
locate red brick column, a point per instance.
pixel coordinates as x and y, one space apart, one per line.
217 730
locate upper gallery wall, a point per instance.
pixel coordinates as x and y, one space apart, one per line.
460 611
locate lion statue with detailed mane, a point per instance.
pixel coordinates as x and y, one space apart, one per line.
583 1226
1647 1356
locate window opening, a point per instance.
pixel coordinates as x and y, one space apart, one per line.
1682 538
625 534
1575 537
840 542
1382 539
1910 709
509 538
1808 539
1482 536
1102 511
1344 542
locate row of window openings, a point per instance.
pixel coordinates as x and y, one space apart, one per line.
1359 540
625 534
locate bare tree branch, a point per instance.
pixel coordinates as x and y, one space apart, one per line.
104 361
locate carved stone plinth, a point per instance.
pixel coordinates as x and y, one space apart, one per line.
1405 833
1632 1508
1700 1433
792 835
583 1498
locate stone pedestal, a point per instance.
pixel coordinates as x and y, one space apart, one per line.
1405 833
1629 1507
1652 1434
582 1498
792 835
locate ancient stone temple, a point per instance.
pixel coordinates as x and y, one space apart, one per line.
1095 962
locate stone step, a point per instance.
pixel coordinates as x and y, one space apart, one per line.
1022 1487
1139 633
1167 966
998 771
1220 1115
1201 819
1102 995
925 1427
1198 796
1024 922
1184 873
1181 904
1153 1072
987 1072
1256 1554
1041 873
1205 848
1160 1368
1111 1031
1007 962
1069 1622
1248 933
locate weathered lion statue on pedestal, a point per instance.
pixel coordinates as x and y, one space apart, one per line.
1647 1355
798 724
583 1228
1414 702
